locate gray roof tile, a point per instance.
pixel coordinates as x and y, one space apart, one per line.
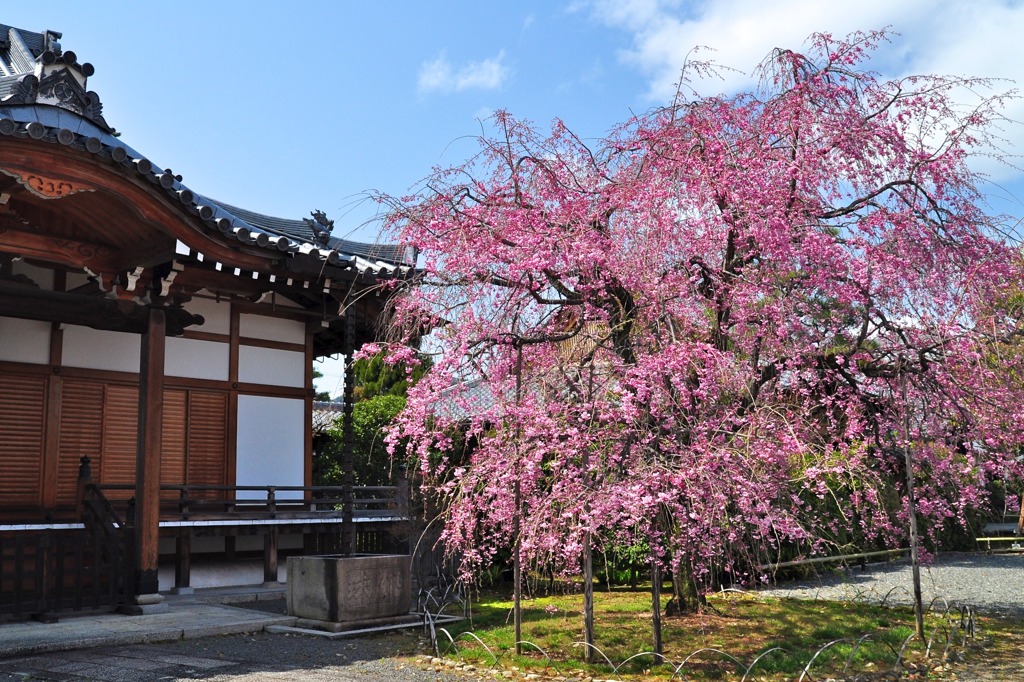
300 231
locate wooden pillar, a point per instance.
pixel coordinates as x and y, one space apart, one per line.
270 556
84 479
148 454
183 562
402 491
1020 519
348 539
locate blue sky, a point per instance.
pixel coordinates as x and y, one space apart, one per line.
286 107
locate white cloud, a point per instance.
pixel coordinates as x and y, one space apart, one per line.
440 75
977 38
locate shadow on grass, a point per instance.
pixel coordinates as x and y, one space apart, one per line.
776 636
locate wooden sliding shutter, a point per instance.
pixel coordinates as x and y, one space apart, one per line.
22 434
172 464
207 438
81 435
120 436
195 438
99 420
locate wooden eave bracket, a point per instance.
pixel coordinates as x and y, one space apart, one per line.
24 301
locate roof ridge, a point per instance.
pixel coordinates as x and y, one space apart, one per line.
299 229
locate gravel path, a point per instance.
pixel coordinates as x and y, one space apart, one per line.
991 583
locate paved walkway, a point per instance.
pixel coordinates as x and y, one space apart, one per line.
257 657
180 644
188 616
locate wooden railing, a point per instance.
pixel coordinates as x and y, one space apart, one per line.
48 569
212 502
86 561
328 516
111 537
44 572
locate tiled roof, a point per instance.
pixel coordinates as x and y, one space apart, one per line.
324 416
43 97
464 401
35 42
34 68
300 230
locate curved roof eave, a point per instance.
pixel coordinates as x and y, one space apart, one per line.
55 125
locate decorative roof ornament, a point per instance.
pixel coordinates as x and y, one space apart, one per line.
320 226
39 71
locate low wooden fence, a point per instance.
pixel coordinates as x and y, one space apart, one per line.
45 571
251 502
86 563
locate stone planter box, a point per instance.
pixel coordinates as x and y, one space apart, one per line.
336 592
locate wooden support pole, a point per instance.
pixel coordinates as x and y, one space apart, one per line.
348 439
656 604
915 564
588 598
402 544
148 455
183 562
1020 519
270 541
517 550
517 575
402 491
84 479
588 578
270 556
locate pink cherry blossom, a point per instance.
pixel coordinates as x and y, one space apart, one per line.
695 332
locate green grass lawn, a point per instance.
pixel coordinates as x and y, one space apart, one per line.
743 626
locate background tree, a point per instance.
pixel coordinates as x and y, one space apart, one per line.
322 396
696 330
375 377
379 391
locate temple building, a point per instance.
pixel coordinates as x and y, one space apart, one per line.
156 348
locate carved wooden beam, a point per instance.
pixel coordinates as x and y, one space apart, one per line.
78 254
152 203
46 187
110 314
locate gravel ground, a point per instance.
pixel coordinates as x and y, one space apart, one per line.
991 583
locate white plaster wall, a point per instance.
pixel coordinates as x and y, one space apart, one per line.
94 349
41 276
196 359
272 329
271 366
24 341
271 442
217 315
